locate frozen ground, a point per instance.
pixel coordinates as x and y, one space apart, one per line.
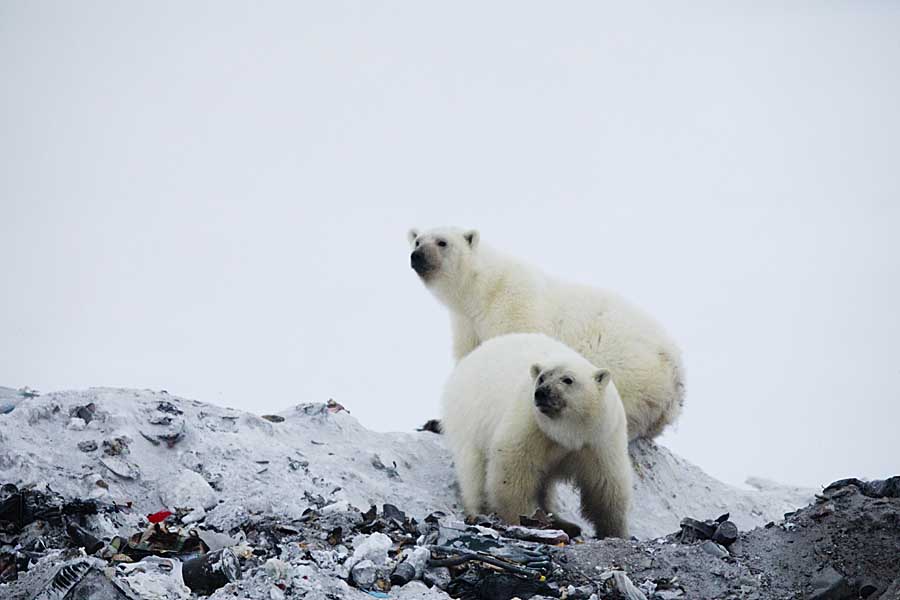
288 496
232 461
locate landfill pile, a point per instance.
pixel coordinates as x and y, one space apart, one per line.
112 494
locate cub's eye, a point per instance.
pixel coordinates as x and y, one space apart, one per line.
540 379
417 243
567 380
442 243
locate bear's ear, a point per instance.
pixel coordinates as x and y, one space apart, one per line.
412 235
536 370
472 238
602 377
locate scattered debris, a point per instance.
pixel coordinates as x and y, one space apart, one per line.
273 418
432 425
200 521
884 488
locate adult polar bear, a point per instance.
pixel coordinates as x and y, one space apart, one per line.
491 294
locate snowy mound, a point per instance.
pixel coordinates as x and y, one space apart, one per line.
159 451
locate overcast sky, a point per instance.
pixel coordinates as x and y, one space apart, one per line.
213 199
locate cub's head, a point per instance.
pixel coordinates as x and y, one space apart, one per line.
570 401
443 257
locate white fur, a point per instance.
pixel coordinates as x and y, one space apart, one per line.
509 455
491 294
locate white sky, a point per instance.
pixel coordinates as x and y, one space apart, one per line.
212 198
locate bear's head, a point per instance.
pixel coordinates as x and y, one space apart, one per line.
443 258
570 402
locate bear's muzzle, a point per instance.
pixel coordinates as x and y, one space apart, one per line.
547 401
420 263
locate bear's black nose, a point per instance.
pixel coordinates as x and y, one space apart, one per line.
418 262
542 397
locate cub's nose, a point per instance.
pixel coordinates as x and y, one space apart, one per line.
541 397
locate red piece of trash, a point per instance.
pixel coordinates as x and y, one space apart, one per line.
159 517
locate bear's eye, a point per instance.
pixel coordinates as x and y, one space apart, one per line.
417 243
567 380
540 379
442 243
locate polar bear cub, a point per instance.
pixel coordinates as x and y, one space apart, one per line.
524 411
490 294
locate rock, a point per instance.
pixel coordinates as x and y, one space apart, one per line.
713 549
273 418
363 573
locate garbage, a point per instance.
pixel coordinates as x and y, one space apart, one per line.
623 585
373 548
273 418
412 566
296 531
87 446
83 538
333 407
544 536
829 584
722 531
363 574
205 573
121 467
432 425
713 549
880 488
160 516
85 413
10 398
391 471
726 533
154 578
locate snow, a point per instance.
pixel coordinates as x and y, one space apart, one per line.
163 451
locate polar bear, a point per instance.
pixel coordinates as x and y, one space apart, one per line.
523 411
490 294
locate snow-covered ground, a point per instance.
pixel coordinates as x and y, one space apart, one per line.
159 451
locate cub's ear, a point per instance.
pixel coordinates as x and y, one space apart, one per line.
602 377
412 235
472 238
536 370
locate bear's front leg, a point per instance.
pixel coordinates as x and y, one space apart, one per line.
470 472
513 480
604 483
